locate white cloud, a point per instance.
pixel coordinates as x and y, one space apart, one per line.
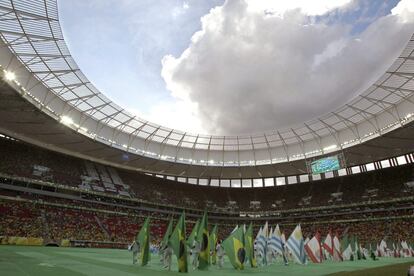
247 71
314 7
178 114
404 10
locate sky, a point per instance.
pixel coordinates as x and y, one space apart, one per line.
237 66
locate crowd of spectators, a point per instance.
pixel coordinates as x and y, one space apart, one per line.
54 221
365 207
381 184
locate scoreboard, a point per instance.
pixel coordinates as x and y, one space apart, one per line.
327 164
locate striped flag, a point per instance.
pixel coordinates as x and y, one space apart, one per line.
261 242
295 243
275 241
328 244
337 256
313 249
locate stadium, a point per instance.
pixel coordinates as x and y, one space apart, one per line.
88 187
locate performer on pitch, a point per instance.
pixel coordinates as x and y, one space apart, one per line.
220 254
167 257
134 247
195 250
285 254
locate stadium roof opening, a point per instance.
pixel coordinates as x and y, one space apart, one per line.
51 77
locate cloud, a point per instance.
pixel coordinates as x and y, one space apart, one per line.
314 7
248 70
175 114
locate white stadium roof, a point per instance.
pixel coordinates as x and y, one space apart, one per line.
39 58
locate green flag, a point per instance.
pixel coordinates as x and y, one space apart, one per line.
177 243
202 239
193 234
357 248
143 239
167 234
234 248
248 244
346 246
352 242
213 243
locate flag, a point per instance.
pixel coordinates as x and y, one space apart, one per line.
248 244
193 234
261 241
213 243
202 239
234 248
337 256
346 246
313 249
283 238
357 248
235 228
167 234
143 239
390 248
295 244
406 249
382 248
257 246
177 243
328 244
275 241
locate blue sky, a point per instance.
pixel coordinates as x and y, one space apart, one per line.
169 60
119 44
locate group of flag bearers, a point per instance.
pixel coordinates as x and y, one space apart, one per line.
269 246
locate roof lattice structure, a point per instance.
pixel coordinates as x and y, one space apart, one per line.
50 75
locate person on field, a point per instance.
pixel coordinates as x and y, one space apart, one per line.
167 257
195 250
134 247
220 254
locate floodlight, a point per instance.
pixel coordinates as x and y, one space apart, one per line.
10 76
66 120
331 147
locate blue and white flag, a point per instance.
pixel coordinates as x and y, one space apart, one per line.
275 241
296 245
261 243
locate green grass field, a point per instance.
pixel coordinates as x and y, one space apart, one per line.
25 260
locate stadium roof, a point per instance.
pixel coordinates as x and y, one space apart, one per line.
38 59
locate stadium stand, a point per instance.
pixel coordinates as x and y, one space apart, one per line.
44 194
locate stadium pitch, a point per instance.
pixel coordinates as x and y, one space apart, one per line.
24 260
